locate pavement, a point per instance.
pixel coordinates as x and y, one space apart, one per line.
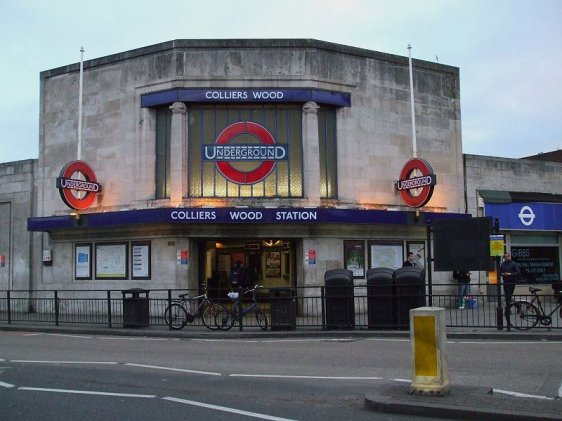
460 402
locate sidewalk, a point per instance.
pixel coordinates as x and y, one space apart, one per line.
462 402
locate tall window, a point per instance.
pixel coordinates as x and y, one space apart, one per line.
328 152
163 144
283 121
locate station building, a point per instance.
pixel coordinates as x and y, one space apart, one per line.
293 156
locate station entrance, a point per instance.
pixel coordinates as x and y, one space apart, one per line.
271 263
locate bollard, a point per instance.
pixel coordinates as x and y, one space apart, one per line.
428 341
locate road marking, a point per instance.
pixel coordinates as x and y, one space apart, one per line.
69 336
7 385
520 395
226 409
87 392
560 391
402 380
208 373
388 340
280 376
64 362
133 338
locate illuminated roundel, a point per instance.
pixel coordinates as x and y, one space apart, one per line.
263 169
78 193
416 182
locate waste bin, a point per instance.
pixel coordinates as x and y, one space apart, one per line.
410 293
283 308
136 308
339 299
381 307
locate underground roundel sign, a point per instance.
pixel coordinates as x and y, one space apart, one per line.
77 185
245 152
416 182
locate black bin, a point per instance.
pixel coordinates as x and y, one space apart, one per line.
410 293
283 308
339 299
136 308
381 307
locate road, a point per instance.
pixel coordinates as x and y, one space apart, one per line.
55 376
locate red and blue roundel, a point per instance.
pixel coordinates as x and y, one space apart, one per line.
78 193
416 190
226 153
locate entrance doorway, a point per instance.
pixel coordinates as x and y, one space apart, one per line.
270 263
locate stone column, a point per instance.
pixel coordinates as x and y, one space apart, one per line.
311 153
178 155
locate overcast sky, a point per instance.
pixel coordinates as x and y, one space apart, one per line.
509 52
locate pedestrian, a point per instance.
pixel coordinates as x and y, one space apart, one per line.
510 273
410 261
463 286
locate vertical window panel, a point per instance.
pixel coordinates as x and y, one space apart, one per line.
328 152
163 145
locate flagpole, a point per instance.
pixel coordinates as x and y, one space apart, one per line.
414 141
79 150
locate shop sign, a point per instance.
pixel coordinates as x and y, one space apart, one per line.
538 264
416 190
265 155
78 193
528 216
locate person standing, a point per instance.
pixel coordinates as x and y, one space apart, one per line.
463 285
410 261
510 273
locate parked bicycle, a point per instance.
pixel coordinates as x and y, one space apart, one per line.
185 309
527 314
225 319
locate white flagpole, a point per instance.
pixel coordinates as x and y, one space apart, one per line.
79 152
414 141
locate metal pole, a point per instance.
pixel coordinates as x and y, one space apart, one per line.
429 266
414 141
499 312
80 88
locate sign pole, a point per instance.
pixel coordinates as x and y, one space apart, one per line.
414 141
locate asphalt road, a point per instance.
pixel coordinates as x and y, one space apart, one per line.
55 376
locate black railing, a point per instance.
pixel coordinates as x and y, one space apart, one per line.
312 307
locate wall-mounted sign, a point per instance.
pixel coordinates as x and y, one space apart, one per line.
416 182
497 244
183 257
226 154
310 257
77 185
2 261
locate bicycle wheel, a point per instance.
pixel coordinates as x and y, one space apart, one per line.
261 318
524 314
223 319
209 315
176 316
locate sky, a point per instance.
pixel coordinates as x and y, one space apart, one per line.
509 52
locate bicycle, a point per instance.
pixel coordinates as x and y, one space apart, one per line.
179 313
529 313
225 319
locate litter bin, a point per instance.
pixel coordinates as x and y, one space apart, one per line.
283 308
339 299
135 308
410 293
381 308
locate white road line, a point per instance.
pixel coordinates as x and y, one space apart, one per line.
520 395
403 380
64 362
134 338
387 340
69 336
6 385
226 409
280 376
87 392
560 391
182 370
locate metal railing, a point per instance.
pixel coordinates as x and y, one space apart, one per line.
302 307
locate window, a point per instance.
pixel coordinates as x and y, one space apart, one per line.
163 144
328 152
283 121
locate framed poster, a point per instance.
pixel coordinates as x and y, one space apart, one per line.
273 264
387 255
111 261
83 261
418 249
140 259
354 257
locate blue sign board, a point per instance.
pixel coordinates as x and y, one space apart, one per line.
244 95
526 216
233 216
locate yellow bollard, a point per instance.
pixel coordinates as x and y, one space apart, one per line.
428 341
